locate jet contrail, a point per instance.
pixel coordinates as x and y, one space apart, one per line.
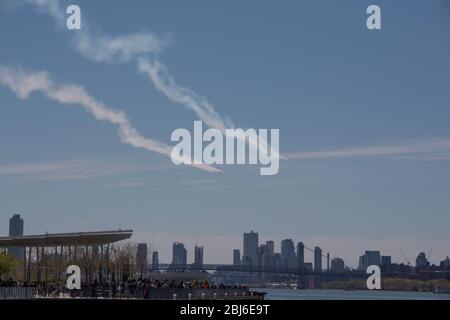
143 48
417 147
165 83
205 111
23 83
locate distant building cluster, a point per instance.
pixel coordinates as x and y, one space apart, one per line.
422 263
179 257
290 255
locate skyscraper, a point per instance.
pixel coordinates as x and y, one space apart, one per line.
337 264
179 254
198 256
361 263
155 260
288 256
250 248
270 247
276 259
317 259
262 249
266 252
265 260
141 257
445 264
369 258
287 251
421 261
372 258
236 257
16 229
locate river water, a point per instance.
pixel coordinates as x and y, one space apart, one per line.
292 294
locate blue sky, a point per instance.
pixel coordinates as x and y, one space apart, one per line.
364 116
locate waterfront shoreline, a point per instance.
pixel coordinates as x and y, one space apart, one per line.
340 294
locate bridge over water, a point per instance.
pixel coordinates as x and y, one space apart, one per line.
260 269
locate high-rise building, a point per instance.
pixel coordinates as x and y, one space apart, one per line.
250 256
266 255
236 257
16 229
421 260
270 247
276 259
287 251
267 252
265 260
198 256
372 258
445 264
337 264
261 253
369 258
141 257
361 263
155 260
179 254
317 259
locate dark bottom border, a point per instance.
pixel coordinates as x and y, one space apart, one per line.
266 309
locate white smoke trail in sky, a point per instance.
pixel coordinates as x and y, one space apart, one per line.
205 111
23 83
143 48
165 83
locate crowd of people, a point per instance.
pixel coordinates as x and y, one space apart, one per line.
131 288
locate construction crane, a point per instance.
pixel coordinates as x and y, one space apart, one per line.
404 256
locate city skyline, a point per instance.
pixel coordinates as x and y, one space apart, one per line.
288 254
282 257
364 127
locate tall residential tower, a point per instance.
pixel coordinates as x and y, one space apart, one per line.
16 229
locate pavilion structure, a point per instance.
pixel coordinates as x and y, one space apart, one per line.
50 254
